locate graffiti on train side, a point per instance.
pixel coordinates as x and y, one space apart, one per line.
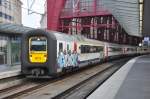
67 58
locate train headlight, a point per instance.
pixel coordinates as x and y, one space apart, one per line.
31 58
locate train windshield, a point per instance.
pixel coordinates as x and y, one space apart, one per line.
38 44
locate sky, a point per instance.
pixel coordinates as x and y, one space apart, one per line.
32 20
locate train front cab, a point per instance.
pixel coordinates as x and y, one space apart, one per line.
38 54
38 49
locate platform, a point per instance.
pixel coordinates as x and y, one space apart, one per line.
9 71
132 81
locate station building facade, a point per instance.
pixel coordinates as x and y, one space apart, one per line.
10 31
9 50
10 43
11 11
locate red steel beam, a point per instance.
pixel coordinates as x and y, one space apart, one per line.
83 26
85 14
54 8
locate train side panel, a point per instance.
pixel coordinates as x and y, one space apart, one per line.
66 52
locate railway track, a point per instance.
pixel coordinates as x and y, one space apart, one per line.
11 82
85 88
22 88
62 87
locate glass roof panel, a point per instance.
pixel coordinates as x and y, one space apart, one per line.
128 13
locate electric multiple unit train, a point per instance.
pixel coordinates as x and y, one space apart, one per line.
48 53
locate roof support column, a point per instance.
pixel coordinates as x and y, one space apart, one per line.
54 8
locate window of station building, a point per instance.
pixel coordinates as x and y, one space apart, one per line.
15 49
9 6
6 4
5 16
8 17
10 47
3 49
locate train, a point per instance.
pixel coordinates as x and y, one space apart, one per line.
49 53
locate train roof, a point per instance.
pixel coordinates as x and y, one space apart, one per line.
78 38
9 28
68 37
84 40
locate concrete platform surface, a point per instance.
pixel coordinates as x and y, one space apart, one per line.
132 81
9 71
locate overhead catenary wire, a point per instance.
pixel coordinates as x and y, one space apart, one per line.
30 6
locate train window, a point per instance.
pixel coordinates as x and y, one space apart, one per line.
87 49
91 49
60 46
114 49
38 44
82 49
131 49
99 48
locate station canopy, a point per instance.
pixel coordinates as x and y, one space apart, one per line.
13 28
128 13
